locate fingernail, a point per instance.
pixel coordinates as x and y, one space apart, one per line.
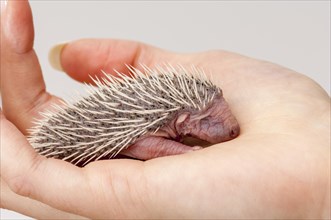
3 5
54 56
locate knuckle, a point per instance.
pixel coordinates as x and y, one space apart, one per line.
22 183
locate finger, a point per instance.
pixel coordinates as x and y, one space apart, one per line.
22 84
82 58
65 186
29 207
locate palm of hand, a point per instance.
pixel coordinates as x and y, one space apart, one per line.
272 162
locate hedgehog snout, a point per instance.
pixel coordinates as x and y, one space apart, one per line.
234 132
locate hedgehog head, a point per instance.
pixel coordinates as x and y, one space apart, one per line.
214 123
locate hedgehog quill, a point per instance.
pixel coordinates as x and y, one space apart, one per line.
144 115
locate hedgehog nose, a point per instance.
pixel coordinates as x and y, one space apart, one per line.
234 132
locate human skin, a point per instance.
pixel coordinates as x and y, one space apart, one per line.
279 166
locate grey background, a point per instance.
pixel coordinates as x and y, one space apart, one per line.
295 34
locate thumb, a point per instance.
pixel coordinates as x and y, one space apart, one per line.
22 84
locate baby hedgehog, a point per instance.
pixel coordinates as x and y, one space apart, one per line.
143 115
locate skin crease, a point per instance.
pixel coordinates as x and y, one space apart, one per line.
279 166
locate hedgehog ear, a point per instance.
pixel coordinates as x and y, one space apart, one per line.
180 123
182 117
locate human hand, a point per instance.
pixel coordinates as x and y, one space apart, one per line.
278 167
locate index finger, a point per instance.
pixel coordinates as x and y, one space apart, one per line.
85 57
